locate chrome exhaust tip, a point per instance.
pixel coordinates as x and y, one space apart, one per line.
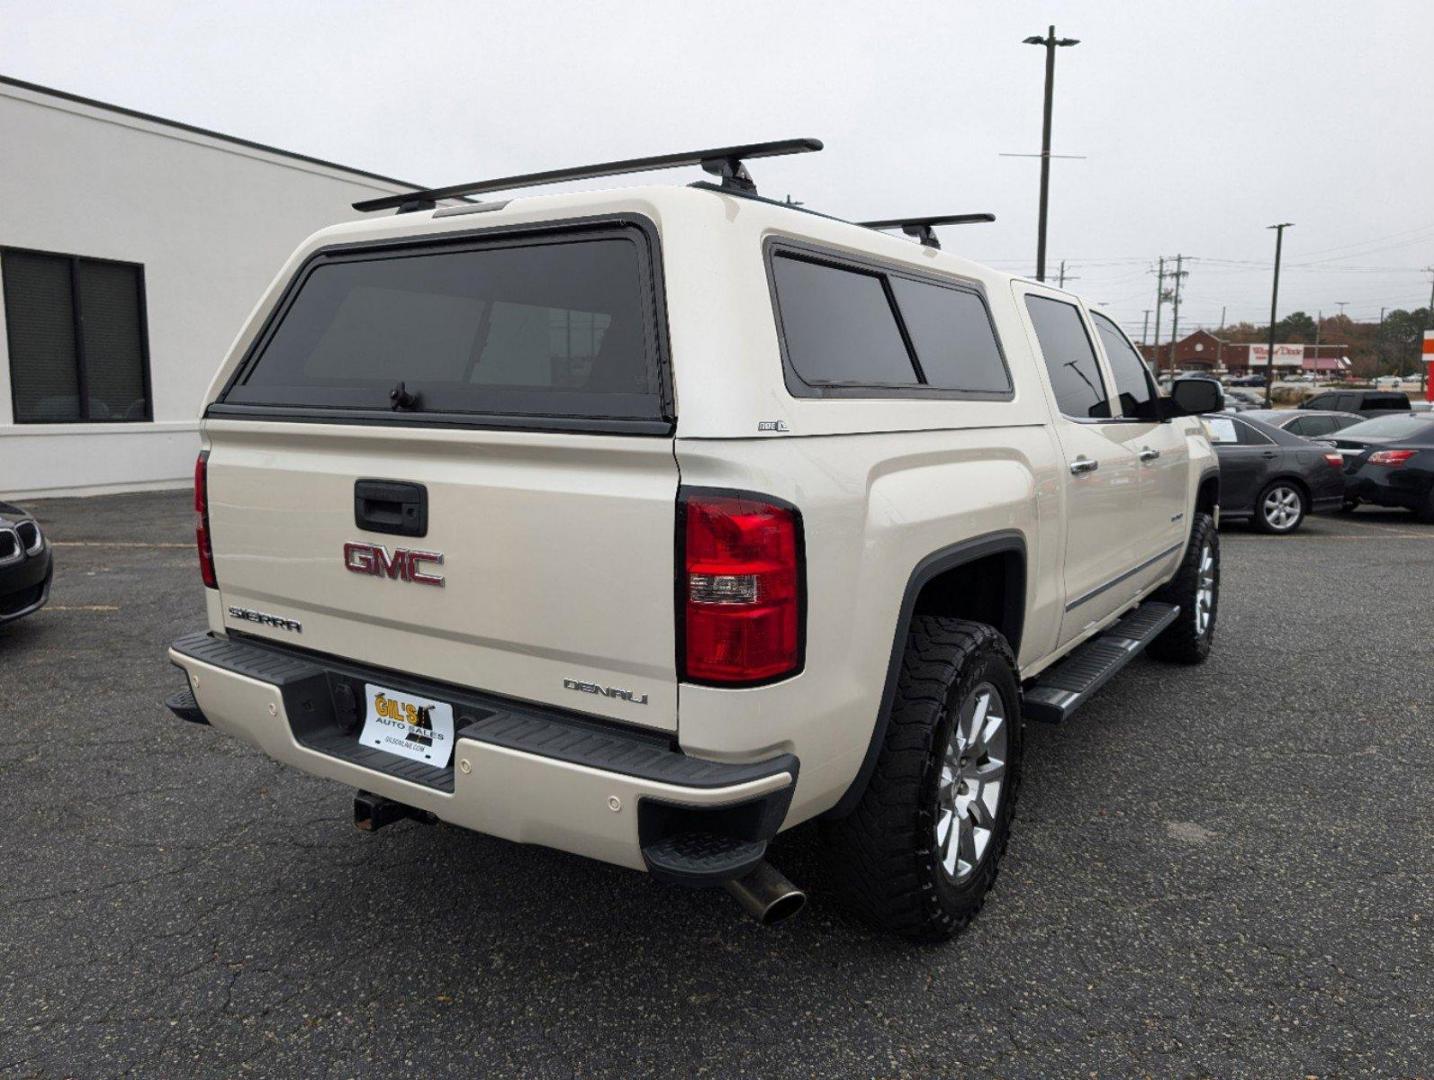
766 895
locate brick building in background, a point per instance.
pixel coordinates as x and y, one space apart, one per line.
1205 353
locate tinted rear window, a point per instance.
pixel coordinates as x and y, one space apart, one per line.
1415 429
558 326
1386 401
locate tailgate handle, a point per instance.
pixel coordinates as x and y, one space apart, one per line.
391 506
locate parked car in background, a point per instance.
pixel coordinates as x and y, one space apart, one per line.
25 564
1270 477
1308 423
1239 399
1389 461
1367 403
1248 380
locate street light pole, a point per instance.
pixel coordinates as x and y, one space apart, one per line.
1274 303
1051 43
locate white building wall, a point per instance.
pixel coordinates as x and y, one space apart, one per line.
211 221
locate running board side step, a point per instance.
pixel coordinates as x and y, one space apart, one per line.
1061 690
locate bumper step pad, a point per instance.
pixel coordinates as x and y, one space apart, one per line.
702 858
183 705
1060 691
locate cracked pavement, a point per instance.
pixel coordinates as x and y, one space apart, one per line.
1220 871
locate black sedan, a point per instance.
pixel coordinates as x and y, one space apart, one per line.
1270 477
1389 461
25 566
1310 423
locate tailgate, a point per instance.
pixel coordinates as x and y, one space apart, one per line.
514 380
556 557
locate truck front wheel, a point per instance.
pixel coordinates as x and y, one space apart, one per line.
1196 589
918 854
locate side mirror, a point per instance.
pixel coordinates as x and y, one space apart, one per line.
1194 396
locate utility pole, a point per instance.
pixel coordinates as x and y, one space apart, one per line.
1175 317
1159 299
1145 328
1061 277
1274 303
1051 43
1379 344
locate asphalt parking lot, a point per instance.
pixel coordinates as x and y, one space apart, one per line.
1221 871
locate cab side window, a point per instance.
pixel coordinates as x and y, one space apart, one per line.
1070 359
1133 385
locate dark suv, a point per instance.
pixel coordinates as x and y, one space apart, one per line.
1365 402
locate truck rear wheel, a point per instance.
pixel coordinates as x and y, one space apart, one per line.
1196 589
921 849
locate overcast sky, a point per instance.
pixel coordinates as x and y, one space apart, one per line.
1200 122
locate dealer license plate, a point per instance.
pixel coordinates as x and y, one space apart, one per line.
409 726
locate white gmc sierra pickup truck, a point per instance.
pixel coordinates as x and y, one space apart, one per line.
646 523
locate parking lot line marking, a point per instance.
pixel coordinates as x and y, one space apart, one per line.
82 607
114 544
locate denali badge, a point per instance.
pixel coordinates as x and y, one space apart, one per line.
402 565
605 691
250 615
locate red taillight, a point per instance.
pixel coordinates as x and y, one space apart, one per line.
201 520
1334 459
1392 458
741 591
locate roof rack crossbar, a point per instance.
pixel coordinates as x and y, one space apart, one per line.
924 228
725 162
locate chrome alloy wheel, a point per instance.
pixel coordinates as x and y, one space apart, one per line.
973 779
1282 507
1204 590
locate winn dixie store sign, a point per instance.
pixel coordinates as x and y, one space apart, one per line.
1286 356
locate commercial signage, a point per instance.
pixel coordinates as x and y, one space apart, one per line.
1286 356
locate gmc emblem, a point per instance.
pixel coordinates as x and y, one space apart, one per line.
402 565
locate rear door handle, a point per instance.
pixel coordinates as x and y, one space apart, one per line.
1083 465
1268 453
1147 454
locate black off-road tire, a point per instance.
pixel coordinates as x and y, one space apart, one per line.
1184 641
884 853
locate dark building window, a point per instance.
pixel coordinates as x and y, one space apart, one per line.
77 338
